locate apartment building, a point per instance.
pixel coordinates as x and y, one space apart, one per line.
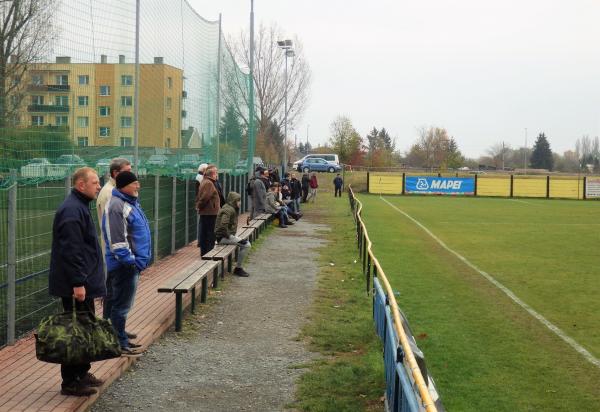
95 101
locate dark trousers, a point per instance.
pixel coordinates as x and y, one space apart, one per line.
198 230
304 194
123 287
338 191
207 233
72 373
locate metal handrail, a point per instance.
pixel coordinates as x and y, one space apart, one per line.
426 399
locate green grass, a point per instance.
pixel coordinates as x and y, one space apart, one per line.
484 351
349 374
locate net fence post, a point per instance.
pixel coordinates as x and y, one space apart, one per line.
187 211
12 260
68 184
173 214
156 215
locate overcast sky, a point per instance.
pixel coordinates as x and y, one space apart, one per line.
484 70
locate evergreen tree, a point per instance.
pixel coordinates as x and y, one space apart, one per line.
541 158
230 129
301 148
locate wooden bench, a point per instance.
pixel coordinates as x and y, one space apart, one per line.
257 226
247 233
186 281
220 253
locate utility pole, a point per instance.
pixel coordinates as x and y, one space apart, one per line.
525 153
136 92
251 131
502 155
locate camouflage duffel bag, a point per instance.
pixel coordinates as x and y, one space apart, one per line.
75 338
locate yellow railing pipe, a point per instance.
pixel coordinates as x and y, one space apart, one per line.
428 403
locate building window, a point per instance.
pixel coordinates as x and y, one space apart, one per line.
104 111
126 80
168 142
126 101
61 100
104 131
62 120
83 121
62 79
39 100
37 120
37 79
83 100
84 79
126 121
169 103
169 82
82 141
168 123
126 141
104 90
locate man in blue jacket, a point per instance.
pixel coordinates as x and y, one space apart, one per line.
76 269
128 252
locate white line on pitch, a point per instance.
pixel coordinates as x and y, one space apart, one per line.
586 354
523 201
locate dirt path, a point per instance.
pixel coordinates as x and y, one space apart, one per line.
238 355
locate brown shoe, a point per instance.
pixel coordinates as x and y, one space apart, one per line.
78 389
91 380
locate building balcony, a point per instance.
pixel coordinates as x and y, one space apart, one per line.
48 88
47 108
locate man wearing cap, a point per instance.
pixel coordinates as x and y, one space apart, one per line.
128 252
199 177
208 204
259 193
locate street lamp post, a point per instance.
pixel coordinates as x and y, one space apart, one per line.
287 46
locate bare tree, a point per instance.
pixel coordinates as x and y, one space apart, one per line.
26 35
269 79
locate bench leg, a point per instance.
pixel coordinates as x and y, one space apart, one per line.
204 291
223 269
193 299
216 278
178 310
230 263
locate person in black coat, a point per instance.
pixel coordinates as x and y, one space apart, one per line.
338 183
76 267
305 186
296 192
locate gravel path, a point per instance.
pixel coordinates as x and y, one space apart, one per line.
239 354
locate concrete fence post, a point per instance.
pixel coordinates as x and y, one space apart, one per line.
187 211
68 184
12 260
156 214
173 215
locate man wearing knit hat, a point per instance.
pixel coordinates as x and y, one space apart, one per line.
128 252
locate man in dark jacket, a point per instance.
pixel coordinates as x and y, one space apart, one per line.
226 228
128 252
296 192
259 193
305 186
76 269
208 204
338 183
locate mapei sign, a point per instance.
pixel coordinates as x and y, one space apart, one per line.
440 185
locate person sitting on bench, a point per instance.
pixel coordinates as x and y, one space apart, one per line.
273 207
226 228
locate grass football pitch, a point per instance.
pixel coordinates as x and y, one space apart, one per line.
485 351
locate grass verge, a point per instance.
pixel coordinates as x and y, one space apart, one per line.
349 374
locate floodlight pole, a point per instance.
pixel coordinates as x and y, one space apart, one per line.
525 154
251 131
287 47
136 99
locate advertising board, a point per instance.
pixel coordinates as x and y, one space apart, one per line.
440 185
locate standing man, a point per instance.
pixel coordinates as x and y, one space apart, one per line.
314 185
128 252
199 177
117 166
338 183
226 228
259 193
296 192
208 204
305 186
76 269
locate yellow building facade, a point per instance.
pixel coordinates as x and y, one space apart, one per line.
95 102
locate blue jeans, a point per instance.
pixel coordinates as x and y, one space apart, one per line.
123 286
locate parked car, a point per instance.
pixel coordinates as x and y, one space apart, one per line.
318 165
36 167
157 161
331 158
242 163
103 165
189 163
70 160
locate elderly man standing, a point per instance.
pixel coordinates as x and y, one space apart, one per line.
208 204
259 193
76 269
128 252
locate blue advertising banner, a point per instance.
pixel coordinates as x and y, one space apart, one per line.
440 185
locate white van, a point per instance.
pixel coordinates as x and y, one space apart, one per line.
331 158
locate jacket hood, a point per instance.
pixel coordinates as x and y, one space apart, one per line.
232 198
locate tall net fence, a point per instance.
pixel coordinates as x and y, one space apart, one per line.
76 97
